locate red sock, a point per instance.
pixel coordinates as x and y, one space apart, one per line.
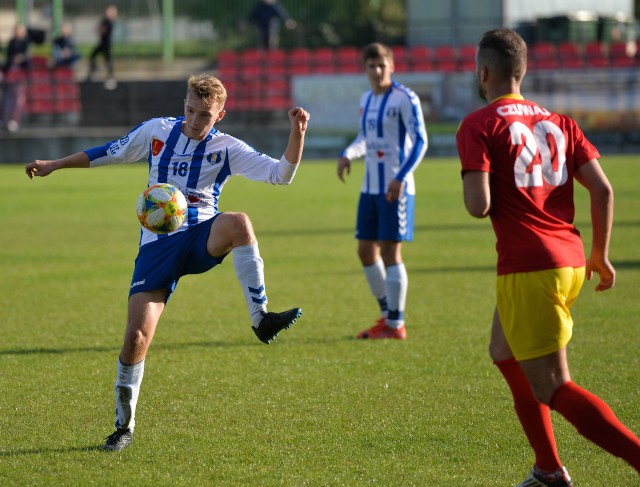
534 416
595 420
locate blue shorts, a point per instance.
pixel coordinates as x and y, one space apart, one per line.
380 220
160 264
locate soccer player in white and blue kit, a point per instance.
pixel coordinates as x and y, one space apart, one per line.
188 152
393 140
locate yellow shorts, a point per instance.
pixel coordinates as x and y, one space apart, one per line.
534 309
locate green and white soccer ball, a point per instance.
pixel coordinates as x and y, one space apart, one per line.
162 208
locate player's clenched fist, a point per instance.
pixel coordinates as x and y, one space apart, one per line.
39 168
299 118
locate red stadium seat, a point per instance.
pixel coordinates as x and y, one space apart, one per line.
251 57
595 55
63 74
467 57
251 71
622 54
15 76
444 58
275 72
570 55
64 106
39 62
40 107
299 56
322 59
67 90
275 57
400 66
420 58
298 61
543 55
40 91
228 72
348 59
299 69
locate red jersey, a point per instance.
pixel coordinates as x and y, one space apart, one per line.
531 155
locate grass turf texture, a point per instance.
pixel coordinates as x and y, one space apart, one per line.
316 407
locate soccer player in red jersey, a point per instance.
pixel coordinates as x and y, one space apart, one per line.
519 161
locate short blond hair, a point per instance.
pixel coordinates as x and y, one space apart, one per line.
208 88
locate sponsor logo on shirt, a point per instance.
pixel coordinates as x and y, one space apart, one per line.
156 146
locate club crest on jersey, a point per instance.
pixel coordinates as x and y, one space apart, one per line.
392 112
218 157
156 146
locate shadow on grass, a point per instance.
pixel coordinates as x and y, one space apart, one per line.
348 231
626 264
159 346
466 268
40 451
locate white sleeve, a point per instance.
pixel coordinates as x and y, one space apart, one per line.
356 149
132 147
245 161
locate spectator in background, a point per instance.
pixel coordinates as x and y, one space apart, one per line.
268 16
17 65
64 47
105 31
18 55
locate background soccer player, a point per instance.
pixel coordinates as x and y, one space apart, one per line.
189 153
519 161
393 140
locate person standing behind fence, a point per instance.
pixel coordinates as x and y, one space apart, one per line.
268 16
64 47
17 65
18 54
105 31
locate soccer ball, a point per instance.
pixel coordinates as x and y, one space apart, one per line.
161 208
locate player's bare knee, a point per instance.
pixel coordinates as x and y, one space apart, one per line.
242 229
138 341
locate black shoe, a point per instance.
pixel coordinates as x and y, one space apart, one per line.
273 323
118 440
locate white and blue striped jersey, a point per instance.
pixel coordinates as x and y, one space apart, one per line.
392 138
199 168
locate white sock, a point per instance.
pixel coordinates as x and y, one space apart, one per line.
376 276
250 273
396 284
127 389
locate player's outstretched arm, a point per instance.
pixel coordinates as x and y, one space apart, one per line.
299 119
592 177
45 167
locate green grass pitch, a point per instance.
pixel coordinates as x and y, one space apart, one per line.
316 407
